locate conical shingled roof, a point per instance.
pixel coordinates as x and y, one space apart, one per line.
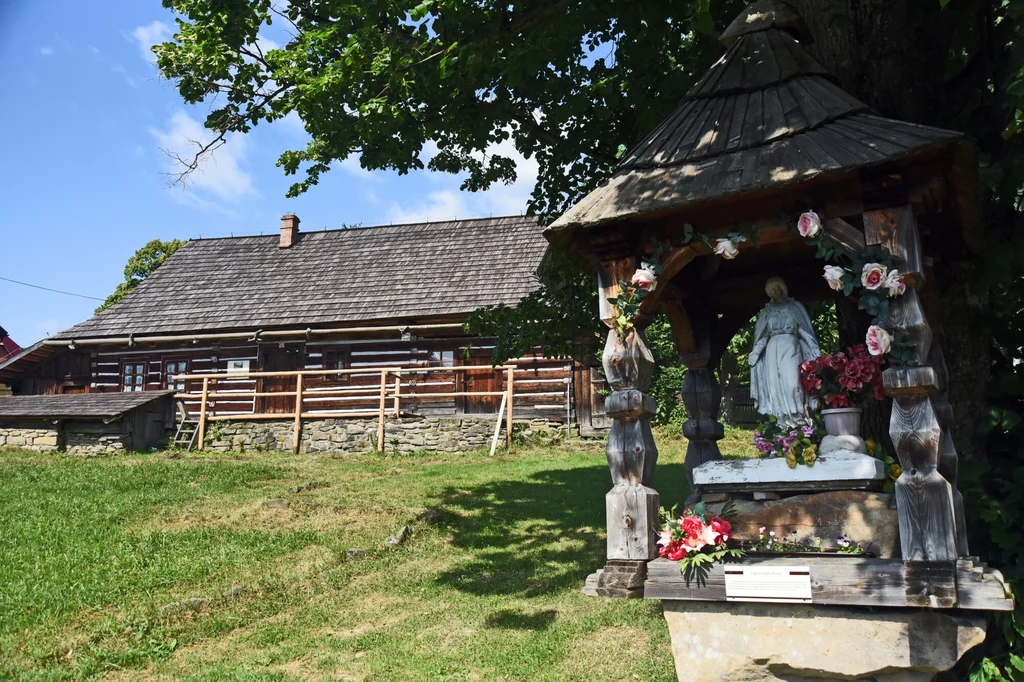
767 114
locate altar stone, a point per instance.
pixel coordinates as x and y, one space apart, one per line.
839 470
730 641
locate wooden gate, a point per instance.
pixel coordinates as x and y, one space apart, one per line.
278 359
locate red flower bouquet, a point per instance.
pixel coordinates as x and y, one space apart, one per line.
696 539
844 379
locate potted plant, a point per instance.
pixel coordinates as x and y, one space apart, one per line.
842 382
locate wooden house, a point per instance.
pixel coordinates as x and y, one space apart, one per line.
349 318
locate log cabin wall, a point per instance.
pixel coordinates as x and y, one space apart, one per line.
543 387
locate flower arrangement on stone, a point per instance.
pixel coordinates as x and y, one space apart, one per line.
627 304
797 445
770 541
844 379
696 539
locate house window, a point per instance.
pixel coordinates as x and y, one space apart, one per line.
442 358
335 359
133 376
174 368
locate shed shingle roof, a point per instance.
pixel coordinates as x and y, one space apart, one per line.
331 278
78 406
766 115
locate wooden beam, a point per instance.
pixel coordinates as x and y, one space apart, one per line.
383 399
398 393
296 429
202 413
851 580
509 388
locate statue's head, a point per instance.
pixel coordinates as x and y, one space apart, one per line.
776 289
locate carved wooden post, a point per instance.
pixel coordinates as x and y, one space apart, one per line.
631 505
693 328
924 497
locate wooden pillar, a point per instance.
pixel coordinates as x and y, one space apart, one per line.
693 327
631 504
297 426
924 496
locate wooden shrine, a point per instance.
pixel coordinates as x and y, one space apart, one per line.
765 135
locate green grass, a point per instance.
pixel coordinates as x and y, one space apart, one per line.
487 588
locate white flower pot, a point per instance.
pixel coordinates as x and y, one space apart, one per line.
842 421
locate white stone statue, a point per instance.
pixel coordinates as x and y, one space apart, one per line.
783 339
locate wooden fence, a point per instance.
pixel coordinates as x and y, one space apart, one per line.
387 396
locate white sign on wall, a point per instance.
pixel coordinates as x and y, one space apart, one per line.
781 584
238 366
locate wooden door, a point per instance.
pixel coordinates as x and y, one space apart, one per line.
278 358
481 380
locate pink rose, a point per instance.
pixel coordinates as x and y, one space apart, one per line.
895 284
873 275
878 340
645 279
726 248
834 276
809 224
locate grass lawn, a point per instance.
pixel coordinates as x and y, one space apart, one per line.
237 567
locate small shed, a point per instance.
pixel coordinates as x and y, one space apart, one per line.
86 423
695 220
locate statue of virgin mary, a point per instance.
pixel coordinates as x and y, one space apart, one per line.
783 340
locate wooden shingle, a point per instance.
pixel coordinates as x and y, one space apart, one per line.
348 277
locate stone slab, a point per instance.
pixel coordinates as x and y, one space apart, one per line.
867 518
841 470
731 642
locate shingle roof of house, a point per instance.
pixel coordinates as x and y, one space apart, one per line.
78 406
331 278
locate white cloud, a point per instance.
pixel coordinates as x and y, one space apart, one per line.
220 172
293 124
46 51
450 203
149 35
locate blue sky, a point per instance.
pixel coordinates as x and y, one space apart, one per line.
84 181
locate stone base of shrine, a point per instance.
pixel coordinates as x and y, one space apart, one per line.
732 641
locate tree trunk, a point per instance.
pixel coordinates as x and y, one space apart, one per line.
893 57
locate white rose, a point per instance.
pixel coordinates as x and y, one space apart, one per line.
873 275
878 340
834 276
809 224
645 279
726 248
895 284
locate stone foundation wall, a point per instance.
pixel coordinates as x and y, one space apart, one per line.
90 444
78 439
28 437
405 435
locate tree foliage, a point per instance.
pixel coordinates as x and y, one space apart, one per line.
572 84
141 265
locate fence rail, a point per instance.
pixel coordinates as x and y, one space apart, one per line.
389 396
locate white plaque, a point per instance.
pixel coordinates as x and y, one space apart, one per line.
781 584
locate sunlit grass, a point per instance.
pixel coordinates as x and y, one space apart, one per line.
169 567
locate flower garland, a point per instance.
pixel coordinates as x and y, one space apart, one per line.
870 273
696 539
626 305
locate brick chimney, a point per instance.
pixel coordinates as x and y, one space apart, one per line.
289 230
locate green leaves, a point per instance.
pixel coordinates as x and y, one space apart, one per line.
141 265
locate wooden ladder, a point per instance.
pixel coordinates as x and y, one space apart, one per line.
188 428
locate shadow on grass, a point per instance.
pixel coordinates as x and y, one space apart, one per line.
512 619
536 536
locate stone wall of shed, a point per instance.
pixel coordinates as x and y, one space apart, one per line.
29 436
91 442
405 435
